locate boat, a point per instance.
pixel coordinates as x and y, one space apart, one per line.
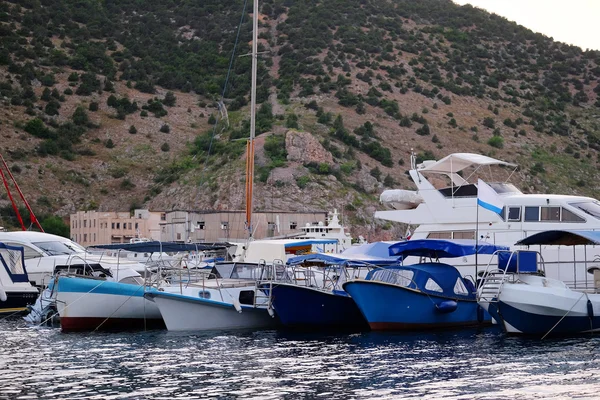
44 251
426 295
518 294
333 230
87 299
308 294
444 206
16 293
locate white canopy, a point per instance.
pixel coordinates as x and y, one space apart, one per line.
459 161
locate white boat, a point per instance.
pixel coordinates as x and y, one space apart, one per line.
213 304
16 293
43 252
524 301
332 229
450 211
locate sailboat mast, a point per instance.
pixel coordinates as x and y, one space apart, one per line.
250 147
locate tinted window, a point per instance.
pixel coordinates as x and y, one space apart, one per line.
532 213
514 214
569 216
550 214
589 207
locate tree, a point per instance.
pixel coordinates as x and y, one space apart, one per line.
80 116
165 147
132 130
56 226
169 99
376 173
165 128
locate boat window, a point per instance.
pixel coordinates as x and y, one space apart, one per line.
550 214
12 259
514 214
433 286
460 288
132 280
28 251
401 277
532 214
439 235
569 216
589 207
464 235
57 248
247 297
203 294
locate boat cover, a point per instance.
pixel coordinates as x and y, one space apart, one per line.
376 253
439 248
162 247
459 161
564 238
13 260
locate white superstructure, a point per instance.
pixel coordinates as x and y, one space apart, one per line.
452 212
43 252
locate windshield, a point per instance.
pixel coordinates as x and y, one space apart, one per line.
589 207
58 248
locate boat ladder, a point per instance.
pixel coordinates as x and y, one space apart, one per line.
490 290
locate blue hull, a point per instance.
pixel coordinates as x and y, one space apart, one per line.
389 307
539 325
304 307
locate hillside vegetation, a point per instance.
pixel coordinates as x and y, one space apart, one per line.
114 105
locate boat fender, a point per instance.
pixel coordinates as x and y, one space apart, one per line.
271 312
446 306
590 309
3 295
479 313
237 305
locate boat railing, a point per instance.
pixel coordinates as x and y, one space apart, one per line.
508 266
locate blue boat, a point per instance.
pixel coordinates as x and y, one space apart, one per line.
310 295
427 295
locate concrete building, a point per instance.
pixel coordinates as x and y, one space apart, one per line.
94 227
218 226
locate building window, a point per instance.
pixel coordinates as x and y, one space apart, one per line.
85 223
118 225
94 223
113 225
129 225
163 217
136 225
200 225
85 237
271 226
178 236
94 237
293 225
224 225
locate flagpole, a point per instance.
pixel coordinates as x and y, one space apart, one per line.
476 239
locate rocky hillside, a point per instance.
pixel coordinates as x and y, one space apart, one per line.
115 105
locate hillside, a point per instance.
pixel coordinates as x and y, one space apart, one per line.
112 105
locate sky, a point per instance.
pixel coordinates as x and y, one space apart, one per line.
574 22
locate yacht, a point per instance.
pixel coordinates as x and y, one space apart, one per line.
444 206
16 293
44 252
332 229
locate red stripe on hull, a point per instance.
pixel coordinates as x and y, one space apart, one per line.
400 326
74 324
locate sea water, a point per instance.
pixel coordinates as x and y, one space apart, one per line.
44 363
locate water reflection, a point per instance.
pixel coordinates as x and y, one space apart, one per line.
481 364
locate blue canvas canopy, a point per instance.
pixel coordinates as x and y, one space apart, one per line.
563 238
438 248
376 253
162 247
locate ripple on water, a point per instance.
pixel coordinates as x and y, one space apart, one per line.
45 363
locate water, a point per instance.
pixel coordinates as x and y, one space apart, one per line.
43 363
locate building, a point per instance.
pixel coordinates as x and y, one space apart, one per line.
218 226
95 227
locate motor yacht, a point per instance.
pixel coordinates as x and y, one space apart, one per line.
444 206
